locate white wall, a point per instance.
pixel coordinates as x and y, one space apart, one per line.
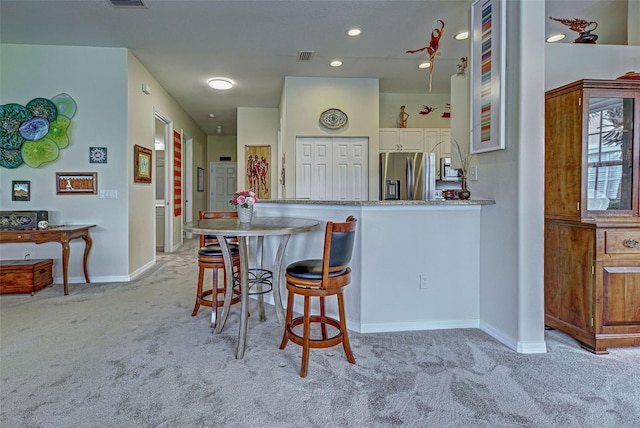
96 78
384 293
511 250
305 98
566 63
141 131
257 127
114 113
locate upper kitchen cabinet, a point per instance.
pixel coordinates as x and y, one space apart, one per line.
401 139
592 150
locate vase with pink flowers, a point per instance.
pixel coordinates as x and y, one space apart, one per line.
243 201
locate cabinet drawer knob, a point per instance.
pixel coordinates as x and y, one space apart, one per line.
630 243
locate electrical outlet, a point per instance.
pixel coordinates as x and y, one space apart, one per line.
423 284
473 173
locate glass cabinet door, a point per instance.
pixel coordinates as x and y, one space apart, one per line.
610 169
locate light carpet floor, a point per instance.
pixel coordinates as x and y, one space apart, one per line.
131 355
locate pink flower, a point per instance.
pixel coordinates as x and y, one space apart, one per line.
244 198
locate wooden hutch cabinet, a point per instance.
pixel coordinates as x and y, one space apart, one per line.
592 214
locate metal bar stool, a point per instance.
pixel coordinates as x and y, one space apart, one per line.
210 257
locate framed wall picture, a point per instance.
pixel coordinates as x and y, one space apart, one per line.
76 183
142 164
200 179
258 172
20 190
487 75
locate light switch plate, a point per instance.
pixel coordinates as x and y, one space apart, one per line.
473 173
108 194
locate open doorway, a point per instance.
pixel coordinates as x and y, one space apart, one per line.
162 180
187 202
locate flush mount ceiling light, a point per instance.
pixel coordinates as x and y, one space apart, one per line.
555 38
221 83
353 32
464 35
335 63
424 65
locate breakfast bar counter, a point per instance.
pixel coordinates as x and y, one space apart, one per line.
415 265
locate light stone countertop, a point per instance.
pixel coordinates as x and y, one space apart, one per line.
381 203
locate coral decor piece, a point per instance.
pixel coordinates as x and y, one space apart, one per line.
402 117
35 133
579 26
462 65
432 48
630 75
426 110
447 114
244 199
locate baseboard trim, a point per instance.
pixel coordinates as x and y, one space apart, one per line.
516 345
415 326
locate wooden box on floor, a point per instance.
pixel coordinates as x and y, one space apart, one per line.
25 276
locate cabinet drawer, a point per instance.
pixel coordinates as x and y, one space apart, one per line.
622 242
15 236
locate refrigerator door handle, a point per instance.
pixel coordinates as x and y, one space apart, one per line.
409 177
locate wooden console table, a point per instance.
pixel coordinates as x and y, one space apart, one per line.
61 234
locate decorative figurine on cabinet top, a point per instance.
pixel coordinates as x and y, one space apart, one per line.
580 26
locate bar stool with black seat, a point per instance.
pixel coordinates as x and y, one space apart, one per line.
210 257
321 278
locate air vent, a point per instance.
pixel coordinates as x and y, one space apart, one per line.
305 56
128 3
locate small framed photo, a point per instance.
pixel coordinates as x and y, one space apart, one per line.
97 155
142 158
20 190
76 183
200 179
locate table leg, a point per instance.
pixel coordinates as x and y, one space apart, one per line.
263 315
87 247
217 324
65 263
244 296
277 269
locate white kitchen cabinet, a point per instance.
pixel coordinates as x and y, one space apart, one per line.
437 140
401 139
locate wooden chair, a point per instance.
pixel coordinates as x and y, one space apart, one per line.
210 257
321 278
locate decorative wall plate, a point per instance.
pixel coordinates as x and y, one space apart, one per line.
97 155
333 118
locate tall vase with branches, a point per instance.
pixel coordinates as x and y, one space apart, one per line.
465 157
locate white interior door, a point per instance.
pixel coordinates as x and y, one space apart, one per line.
350 169
223 177
332 168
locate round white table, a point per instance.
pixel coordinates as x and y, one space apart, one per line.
259 227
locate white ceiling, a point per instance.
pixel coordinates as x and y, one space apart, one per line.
256 43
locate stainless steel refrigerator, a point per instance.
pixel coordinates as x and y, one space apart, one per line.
407 175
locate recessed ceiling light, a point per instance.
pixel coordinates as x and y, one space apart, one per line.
462 36
555 38
353 32
221 83
212 115
424 65
335 63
